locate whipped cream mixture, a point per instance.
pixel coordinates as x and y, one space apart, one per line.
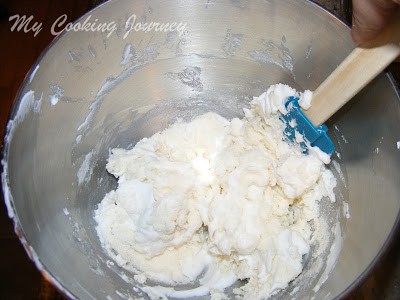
214 201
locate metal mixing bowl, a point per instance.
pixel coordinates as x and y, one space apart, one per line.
89 93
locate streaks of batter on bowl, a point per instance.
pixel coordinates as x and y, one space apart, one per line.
74 56
37 104
333 256
308 58
190 76
308 52
85 171
25 106
171 36
339 172
232 43
170 42
147 55
122 295
27 102
78 139
109 85
278 55
88 294
178 48
128 54
92 51
346 210
239 4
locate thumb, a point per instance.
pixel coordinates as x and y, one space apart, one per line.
370 17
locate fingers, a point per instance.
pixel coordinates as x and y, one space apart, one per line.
370 17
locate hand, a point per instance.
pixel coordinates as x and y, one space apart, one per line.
370 17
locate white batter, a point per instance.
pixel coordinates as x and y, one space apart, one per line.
217 200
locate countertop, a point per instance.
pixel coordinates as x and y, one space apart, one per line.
19 278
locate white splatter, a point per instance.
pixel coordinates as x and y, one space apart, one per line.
56 93
338 154
341 135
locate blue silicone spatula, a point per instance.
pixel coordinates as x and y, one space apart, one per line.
354 73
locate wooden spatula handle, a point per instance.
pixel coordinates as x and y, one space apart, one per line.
354 73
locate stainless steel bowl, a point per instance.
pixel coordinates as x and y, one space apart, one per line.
89 92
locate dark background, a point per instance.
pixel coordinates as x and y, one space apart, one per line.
19 279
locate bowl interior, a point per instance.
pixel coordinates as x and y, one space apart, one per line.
91 92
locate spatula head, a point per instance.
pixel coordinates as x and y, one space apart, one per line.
296 121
